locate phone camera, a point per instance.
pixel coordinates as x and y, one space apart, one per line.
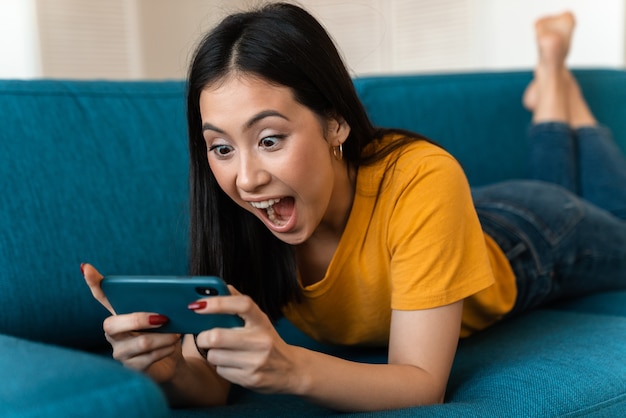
206 291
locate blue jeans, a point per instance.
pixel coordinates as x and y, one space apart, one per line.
563 231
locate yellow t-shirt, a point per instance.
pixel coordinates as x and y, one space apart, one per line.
412 241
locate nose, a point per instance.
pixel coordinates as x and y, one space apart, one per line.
252 173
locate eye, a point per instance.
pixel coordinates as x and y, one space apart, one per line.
270 142
221 151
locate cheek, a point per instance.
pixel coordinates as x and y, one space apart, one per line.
225 179
315 172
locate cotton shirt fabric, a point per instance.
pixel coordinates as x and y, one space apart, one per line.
412 241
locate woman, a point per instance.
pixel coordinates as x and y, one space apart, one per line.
359 235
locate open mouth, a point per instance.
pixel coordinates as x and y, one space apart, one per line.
277 211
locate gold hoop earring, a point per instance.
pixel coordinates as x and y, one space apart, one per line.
338 152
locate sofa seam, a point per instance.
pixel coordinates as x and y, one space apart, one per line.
616 400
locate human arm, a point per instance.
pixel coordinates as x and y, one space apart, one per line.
421 351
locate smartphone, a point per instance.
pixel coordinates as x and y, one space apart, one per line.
169 296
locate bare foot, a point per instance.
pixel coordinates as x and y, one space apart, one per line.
554 36
530 97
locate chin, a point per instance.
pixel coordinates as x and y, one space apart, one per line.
291 238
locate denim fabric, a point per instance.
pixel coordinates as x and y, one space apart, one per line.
602 170
560 243
586 161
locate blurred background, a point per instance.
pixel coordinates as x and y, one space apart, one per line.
154 39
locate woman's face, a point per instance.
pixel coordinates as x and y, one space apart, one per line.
273 156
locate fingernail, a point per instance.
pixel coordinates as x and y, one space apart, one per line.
157 319
82 268
194 306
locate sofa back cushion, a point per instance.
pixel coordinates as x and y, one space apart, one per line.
479 117
89 172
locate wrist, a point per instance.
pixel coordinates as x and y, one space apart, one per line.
302 378
194 383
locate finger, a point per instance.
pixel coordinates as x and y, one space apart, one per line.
130 344
93 279
232 290
199 350
244 374
143 362
225 359
240 305
235 340
142 349
137 321
220 351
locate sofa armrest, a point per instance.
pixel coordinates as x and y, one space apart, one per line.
48 381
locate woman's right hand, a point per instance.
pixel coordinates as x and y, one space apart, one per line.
156 354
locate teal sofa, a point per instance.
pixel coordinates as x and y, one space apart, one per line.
96 171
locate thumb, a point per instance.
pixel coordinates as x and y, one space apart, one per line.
233 291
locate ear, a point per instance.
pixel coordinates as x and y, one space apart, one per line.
337 130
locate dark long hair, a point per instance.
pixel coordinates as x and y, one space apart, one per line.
282 44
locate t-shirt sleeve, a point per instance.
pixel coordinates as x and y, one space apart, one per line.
437 247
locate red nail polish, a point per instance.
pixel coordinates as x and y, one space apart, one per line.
194 306
157 319
82 268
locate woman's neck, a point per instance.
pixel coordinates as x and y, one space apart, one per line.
315 254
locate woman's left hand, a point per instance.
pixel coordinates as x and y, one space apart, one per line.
253 356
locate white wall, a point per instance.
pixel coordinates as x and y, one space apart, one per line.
466 35
138 39
503 32
19 47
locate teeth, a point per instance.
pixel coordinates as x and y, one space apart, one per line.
265 204
268 205
271 214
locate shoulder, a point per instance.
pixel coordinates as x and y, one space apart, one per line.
424 157
414 162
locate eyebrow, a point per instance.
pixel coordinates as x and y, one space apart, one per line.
254 119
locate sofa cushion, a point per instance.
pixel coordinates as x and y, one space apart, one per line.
47 381
546 363
605 303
